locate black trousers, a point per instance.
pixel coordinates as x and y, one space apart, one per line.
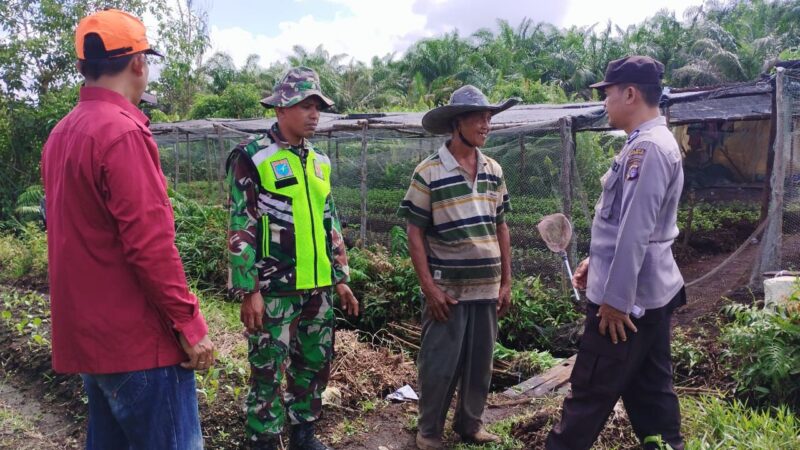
639 370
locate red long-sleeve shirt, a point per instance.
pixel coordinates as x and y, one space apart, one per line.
118 291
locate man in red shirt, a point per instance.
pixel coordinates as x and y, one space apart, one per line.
122 314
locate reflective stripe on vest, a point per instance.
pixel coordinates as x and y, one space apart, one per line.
283 174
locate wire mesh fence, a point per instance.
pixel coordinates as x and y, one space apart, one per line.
791 208
780 247
547 170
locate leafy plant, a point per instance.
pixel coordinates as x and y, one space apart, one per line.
538 316
687 354
201 236
399 240
386 285
763 351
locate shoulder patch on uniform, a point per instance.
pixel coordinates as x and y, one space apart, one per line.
282 169
634 163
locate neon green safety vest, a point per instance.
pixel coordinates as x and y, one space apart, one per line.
298 187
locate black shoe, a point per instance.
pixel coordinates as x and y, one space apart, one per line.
263 444
302 438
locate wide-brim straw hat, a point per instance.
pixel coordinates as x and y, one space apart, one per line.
465 99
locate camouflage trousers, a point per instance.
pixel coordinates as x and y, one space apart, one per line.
297 339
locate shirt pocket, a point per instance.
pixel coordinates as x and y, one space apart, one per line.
610 189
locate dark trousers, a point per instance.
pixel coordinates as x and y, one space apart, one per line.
456 353
639 370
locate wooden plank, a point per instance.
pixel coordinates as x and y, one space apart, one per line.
545 383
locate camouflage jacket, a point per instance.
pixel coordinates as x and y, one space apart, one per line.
272 246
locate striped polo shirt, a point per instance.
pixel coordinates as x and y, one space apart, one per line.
460 219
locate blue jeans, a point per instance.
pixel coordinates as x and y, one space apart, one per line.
146 409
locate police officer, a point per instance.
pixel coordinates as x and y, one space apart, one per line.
630 277
286 251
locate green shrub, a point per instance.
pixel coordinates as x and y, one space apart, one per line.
687 354
763 351
386 286
712 423
538 316
201 237
23 255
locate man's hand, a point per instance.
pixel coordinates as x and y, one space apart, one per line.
614 321
438 302
504 299
201 356
347 300
252 311
581 274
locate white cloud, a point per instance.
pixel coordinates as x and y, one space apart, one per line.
372 28
367 28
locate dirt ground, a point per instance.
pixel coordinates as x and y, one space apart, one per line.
30 418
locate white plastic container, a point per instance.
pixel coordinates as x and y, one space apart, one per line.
778 290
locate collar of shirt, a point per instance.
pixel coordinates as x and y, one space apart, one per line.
277 136
98 94
449 161
652 123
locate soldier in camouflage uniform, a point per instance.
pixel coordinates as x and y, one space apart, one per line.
286 251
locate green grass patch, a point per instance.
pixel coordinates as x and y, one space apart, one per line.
711 423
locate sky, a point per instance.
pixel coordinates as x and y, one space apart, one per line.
366 28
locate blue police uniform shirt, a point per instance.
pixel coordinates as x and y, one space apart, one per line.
635 223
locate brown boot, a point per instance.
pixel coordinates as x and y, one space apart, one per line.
424 443
481 437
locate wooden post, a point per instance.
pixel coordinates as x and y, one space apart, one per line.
364 130
209 168
188 158
770 257
522 153
329 145
567 155
177 156
338 171
221 144
583 199
687 233
765 193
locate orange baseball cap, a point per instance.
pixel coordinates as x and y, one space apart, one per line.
121 34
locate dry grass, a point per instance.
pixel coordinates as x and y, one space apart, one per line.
361 371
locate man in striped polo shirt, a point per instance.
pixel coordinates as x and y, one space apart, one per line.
459 244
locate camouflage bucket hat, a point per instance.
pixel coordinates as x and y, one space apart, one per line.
465 99
297 84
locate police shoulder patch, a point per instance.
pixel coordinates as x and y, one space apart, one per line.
634 163
633 171
282 169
